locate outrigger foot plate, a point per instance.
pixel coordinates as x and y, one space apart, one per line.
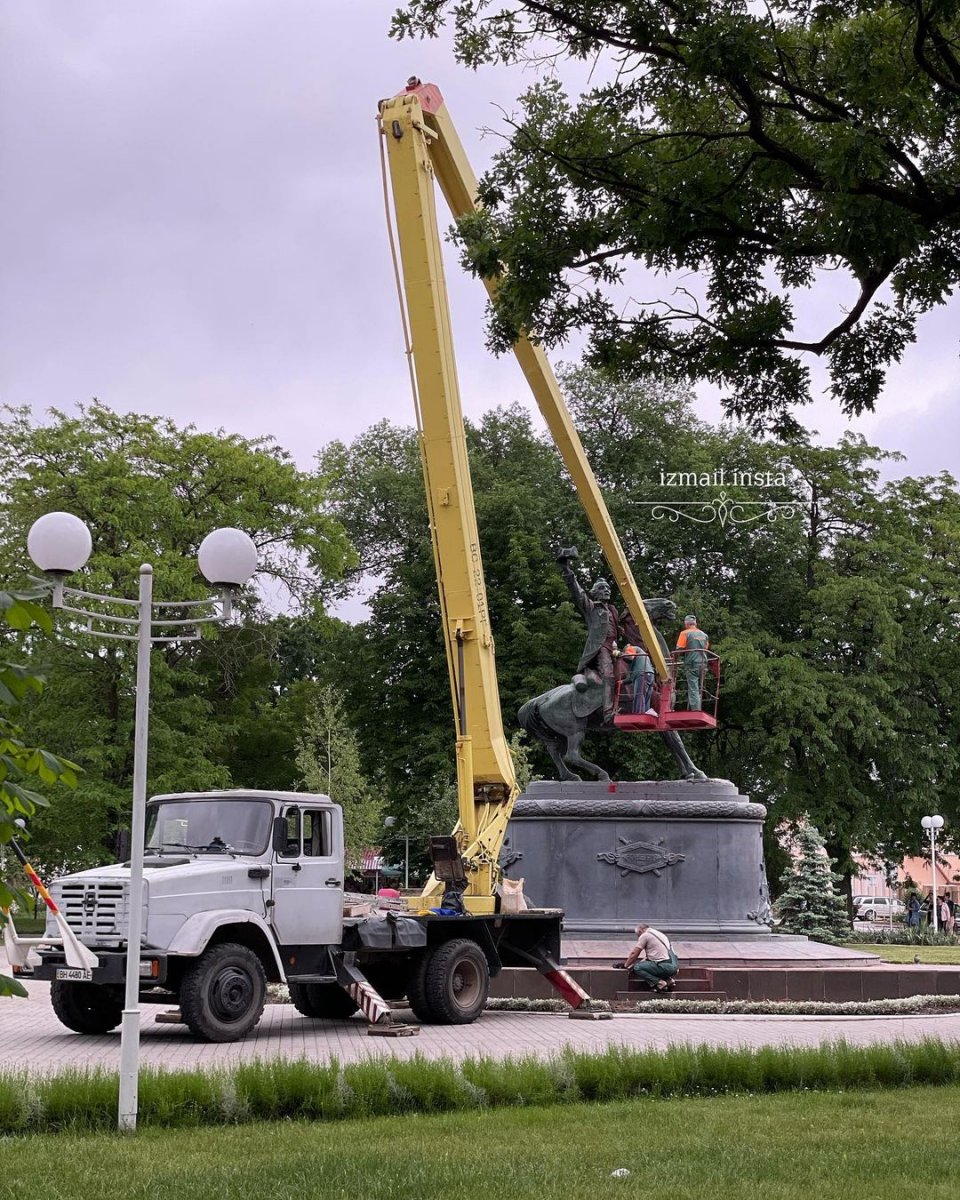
392 1030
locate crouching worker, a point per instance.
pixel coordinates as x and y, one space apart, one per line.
652 959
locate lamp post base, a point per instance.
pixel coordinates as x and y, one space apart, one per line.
129 1073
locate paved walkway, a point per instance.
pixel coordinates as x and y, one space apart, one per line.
31 1037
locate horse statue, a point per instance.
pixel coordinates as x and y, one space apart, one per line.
561 718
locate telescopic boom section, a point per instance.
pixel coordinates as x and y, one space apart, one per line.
423 150
459 186
486 783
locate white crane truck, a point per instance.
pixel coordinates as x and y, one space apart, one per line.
242 888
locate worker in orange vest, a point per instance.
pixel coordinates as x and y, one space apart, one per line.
692 645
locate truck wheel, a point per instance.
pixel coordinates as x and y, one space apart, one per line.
453 985
85 1007
222 995
417 989
322 1000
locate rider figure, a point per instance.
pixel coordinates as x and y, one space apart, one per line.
603 629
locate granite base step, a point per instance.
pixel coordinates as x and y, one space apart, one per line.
833 984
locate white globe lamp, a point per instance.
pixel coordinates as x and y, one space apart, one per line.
59 543
227 557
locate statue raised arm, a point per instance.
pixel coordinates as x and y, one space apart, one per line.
603 628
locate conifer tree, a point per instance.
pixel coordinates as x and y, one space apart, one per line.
328 762
808 902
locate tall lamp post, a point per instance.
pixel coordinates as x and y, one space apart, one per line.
59 544
933 824
390 822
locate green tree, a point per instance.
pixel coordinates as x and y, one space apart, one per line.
836 625
808 902
432 812
22 765
844 698
150 491
396 681
328 762
762 150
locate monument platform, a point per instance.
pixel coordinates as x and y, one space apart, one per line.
775 967
820 977
772 950
683 855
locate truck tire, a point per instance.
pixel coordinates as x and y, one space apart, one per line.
85 1007
321 1000
417 989
452 985
222 995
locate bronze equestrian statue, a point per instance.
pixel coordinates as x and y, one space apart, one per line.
561 718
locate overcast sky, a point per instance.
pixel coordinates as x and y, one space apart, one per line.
192 224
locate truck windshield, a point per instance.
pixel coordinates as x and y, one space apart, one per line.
218 825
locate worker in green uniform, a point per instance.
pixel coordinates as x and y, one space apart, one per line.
692 645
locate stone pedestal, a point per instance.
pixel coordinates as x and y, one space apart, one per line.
685 856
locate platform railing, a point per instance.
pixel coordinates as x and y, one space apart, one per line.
687 700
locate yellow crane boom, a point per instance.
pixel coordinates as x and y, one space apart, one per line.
423 150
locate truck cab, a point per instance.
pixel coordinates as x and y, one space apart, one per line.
251 878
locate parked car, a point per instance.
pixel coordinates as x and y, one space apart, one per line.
879 908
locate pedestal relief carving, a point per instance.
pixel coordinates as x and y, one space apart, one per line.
640 857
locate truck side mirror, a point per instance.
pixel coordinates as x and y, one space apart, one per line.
121 845
280 835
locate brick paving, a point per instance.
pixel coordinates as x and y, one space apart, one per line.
32 1038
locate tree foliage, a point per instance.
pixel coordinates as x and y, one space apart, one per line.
22 766
836 623
808 902
328 762
743 153
150 491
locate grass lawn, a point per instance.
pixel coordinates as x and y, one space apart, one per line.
781 1147
949 955
30 926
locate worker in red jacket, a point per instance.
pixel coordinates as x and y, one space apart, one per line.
692 645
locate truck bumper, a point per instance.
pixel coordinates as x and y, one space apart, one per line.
110 971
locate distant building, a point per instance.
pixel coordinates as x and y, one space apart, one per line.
871 880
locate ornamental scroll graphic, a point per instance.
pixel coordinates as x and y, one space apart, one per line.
728 510
640 857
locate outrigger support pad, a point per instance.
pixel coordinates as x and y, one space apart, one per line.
370 1002
579 1000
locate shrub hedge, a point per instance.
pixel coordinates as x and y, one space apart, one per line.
86 1101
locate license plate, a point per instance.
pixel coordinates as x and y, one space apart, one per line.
84 973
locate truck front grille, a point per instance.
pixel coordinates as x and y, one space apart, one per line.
96 911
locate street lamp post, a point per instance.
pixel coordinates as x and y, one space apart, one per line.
59 544
933 824
390 822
